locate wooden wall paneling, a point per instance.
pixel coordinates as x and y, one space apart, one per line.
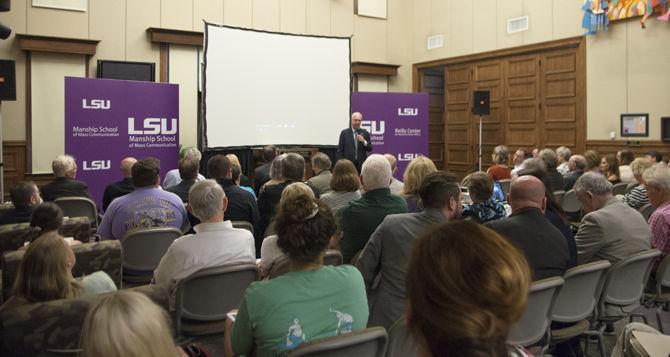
432 82
523 102
458 148
559 73
489 76
14 164
604 147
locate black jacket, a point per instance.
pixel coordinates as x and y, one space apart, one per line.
346 148
543 244
181 189
64 187
116 190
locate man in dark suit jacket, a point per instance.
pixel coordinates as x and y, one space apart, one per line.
543 244
25 196
188 172
120 188
354 142
262 173
65 170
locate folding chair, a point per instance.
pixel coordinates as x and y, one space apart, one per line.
660 299
646 211
401 341
143 250
368 342
79 207
619 188
243 225
559 195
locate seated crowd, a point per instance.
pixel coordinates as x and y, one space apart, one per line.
405 244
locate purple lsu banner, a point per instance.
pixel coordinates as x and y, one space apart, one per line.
397 122
109 120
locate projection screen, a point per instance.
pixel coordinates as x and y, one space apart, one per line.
271 88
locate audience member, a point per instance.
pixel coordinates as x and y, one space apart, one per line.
396 185
536 153
235 176
25 196
241 203
294 194
262 173
320 182
417 169
311 301
657 182
120 188
550 159
610 229
625 158
360 218
48 218
466 287
215 242
172 177
531 164
563 154
188 172
276 172
483 208
244 180
577 165
388 250
654 157
344 185
293 170
592 158
148 206
45 274
609 166
517 160
637 196
543 244
127 323
500 170
64 185
555 214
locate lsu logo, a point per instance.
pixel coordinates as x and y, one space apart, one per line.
97 165
408 112
152 126
374 127
407 157
96 104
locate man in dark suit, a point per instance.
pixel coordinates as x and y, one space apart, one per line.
188 172
120 188
65 170
25 196
262 173
543 244
354 142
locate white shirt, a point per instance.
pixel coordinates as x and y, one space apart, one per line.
563 168
396 186
212 245
172 178
269 252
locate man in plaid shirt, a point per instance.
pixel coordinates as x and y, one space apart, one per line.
657 183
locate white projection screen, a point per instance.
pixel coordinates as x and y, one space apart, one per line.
271 88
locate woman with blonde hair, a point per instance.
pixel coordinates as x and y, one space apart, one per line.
481 281
344 186
637 196
414 174
127 323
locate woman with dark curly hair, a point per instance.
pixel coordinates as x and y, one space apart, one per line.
309 302
481 283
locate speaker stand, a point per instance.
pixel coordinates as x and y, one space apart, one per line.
480 143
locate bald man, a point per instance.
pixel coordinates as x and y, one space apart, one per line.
354 144
543 244
120 188
396 185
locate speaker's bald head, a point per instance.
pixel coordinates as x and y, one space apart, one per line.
127 166
527 191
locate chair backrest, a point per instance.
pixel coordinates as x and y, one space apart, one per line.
370 342
580 292
143 249
332 257
280 266
13 236
401 342
663 275
626 279
77 227
91 257
535 321
79 207
646 211
559 195
630 186
505 185
570 202
209 294
619 188
243 225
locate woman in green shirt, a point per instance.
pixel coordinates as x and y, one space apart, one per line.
312 301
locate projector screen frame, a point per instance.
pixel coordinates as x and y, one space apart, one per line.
203 120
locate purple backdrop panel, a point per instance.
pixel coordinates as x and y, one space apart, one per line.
397 122
109 120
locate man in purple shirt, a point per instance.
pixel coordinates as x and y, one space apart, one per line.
146 207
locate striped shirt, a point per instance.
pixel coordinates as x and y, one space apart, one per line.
659 222
637 197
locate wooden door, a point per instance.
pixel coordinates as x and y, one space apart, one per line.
489 76
523 102
432 82
458 148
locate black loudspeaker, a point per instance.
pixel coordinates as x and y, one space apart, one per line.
5 5
7 80
481 102
665 129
